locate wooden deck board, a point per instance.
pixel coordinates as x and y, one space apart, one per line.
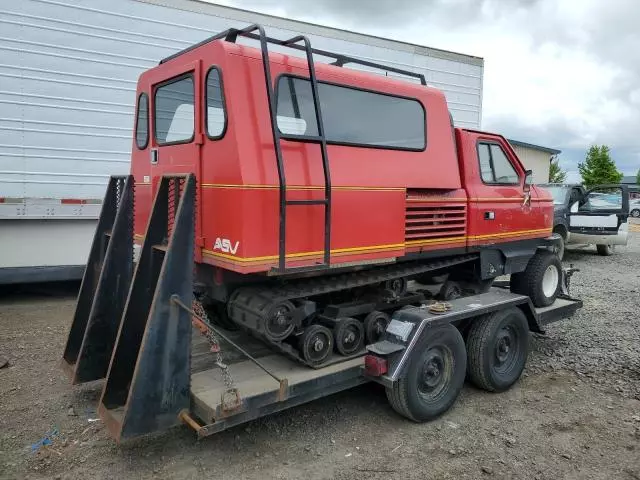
207 386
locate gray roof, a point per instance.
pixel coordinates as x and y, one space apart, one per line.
630 179
517 143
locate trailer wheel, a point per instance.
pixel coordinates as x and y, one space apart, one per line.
434 377
541 280
316 344
348 334
497 349
374 326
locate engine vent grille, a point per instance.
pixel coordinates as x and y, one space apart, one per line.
429 218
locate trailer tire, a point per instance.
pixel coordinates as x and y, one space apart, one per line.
541 280
434 377
497 349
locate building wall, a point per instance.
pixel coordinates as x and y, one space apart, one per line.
68 77
536 160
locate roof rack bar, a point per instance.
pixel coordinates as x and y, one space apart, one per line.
231 35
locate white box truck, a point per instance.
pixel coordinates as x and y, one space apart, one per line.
68 72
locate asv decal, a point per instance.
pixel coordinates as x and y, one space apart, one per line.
224 245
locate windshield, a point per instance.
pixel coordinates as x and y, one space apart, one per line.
559 194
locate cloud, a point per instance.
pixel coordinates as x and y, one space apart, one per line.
564 74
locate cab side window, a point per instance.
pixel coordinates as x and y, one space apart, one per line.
495 167
215 114
142 122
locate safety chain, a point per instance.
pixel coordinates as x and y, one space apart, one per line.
214 345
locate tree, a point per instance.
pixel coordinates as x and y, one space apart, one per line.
598 167
638 177
556 173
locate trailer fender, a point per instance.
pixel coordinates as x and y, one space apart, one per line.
401 340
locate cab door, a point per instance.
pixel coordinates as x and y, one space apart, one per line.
502 206
176 121
600 216
176 126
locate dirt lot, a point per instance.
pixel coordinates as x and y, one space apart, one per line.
575 413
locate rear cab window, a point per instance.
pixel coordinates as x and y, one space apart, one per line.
174 117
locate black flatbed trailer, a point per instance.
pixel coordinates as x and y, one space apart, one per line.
134 328
260 393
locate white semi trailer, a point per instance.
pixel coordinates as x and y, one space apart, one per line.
68 72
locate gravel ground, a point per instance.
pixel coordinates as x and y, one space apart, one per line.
574 414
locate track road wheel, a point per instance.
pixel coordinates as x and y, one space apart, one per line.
374 326
316 344
434 377
398 286
348 335
541 280
497 349
277 322
605 250
450 290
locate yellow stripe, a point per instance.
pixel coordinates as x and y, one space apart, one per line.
301 187
370 248
432 241
510 234
395 246
438 200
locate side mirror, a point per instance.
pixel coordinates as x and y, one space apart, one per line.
528 180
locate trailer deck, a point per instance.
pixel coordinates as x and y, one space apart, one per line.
260 393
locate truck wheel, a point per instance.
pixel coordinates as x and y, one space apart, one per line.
540 281
348 334
434 377
497 349
374 326
605 250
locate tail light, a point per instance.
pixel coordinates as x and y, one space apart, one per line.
375 366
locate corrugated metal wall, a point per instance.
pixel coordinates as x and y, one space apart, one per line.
68 72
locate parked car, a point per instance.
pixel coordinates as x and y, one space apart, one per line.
592 217
634 208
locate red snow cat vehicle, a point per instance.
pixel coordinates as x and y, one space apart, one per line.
322 227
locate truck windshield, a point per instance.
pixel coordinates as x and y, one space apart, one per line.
559 193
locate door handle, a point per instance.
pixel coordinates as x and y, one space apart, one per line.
154 156
526 199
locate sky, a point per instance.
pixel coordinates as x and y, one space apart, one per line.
559 73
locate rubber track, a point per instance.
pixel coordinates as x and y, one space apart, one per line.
248 306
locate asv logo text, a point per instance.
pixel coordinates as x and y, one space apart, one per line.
224 245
